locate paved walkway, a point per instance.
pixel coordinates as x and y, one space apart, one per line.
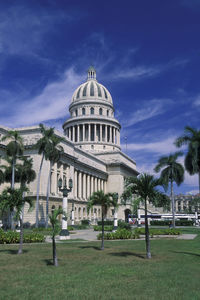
91 235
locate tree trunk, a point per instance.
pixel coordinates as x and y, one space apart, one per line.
148 251
47 200
21 235
13 174
38 192
199 182
172 199
102 241
55 260
12 187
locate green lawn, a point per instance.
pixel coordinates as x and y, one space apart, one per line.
119 272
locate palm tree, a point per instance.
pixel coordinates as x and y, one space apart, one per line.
1 177
12 199
55 230
172 171
54 155
43 146
145 187
14 149
191 137
105 201
26 175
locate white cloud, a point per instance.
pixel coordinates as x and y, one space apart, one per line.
163 147
52 103
197 101
140 72
151 109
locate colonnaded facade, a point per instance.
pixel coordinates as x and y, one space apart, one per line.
92 155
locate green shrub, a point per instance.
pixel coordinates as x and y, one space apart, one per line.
155 231
70 228
120 234
107 222
168 222
13 237
122 224
85 222
80 226
106 228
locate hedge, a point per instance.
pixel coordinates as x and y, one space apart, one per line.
120 234
168 222
154 231
13 237
106 228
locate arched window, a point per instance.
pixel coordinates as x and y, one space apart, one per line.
52 209
100 111
107 113
76 112
83 111
92 110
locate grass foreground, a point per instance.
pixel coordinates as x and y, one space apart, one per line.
119 272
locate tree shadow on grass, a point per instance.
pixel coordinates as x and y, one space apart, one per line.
12 251
189 253
92 247
125 254
49 262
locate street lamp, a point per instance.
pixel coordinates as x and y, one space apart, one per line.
64 234
115 198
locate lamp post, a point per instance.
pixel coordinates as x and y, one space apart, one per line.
115 198
64 234
73 213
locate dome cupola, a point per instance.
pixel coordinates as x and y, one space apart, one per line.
92 125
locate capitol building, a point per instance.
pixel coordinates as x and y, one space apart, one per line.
92 155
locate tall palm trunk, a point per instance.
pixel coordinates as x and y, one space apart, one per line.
21 228
38 192
199 181
48 192
55 260
12 187
148 251
102 241
173 206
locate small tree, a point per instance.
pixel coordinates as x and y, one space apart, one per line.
43 145
145 187
191 137
13 200
55 230
105 201
54 153
172 171
14 149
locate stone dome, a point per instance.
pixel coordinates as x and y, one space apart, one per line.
91 89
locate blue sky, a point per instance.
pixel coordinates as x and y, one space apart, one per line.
147 53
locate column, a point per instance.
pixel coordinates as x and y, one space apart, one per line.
89 132
88 186
73 131
78 133
106 129
92 185
110 135
99 186
100 128
75 184
64 235
95 184
80 185
105 188
114 135
95 132
83 132
84 186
